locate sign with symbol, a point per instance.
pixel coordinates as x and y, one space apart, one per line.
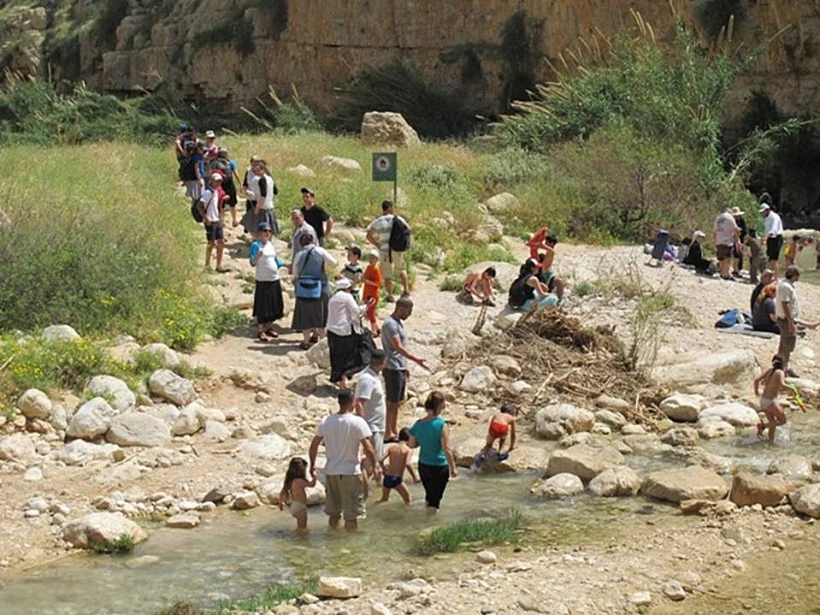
385 166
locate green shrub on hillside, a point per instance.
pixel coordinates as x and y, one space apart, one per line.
292 117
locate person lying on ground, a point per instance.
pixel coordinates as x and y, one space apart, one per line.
399 457
502 424
479 284
774 380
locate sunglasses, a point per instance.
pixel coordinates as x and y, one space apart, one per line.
267 230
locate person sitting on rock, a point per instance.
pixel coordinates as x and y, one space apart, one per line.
527 292
479 284
501 425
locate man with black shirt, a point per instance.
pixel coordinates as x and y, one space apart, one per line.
316 216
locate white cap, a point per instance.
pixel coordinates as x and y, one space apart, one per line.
216 177
373 254
764 207
342 284
210 135
698 234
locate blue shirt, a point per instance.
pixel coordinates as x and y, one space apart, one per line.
428 435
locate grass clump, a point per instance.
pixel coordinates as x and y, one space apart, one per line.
290 118
120 545
487 532
272 596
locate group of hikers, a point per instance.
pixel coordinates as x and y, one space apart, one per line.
333 305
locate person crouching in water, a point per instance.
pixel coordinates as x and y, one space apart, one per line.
479 284
502 424
774 381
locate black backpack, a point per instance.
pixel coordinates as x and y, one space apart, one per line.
195 214
518 291
400 236
187 170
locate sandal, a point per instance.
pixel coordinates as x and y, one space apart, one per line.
272 333
263 337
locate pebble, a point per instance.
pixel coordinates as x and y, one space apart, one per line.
779 544
674 590
486 557
377 608
640 598
33 475
31 513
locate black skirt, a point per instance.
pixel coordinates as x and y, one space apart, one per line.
346 355
267 302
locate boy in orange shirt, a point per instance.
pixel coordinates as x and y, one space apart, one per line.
372 280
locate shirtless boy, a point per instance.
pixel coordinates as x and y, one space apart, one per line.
502 424
774 380
399 458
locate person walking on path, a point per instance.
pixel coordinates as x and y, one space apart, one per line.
726 238
344 334
436 463
390 260
787 309
774 238
250 188
344 434
300 228
370 403
311 289
210 208
268 305
227 168
740 221
396 372
315 215
261 190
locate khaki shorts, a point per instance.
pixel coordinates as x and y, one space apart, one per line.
344 496
787 340
387 267
724 252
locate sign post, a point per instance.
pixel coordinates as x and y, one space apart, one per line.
385 169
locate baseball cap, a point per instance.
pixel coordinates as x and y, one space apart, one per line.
210 135
764 207
698 234
308 191
222 150
355 250
216 177
256 158
372 254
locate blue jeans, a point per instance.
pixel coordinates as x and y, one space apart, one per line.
547 301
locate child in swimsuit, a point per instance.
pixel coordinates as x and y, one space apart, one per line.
775 382
480 284
502 424
399 458
293 492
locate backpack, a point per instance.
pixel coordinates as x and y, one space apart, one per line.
518 291
187 169
400 235
730 318
224 167
195 212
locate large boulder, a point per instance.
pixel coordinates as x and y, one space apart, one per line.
615 482
555 421
166 356
101 529
713 427
17 447
114 390
319 354
721 369
478 380
34 404
682 407
334 163
806 500
170 386
681 436
732 412
91 420
749 489
386 128
78 452
558 486
584 461
794 468
60 333
138 429
692 483
501 203
188 422
270 447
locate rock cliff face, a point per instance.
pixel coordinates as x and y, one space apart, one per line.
221 54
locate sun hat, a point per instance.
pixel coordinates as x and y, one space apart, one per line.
764 207
342 284
216 177
210 135
373 254
736 211
697 234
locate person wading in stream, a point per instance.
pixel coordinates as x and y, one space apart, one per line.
343 433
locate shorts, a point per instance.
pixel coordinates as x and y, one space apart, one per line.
499 430
765 402
387 267
391 482
296 508
548 277
370 312
773 247
724 252
377 439
214 232
344 496
787 340
395 385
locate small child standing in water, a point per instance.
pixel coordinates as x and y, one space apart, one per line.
399 458
774 380
293 491
501 425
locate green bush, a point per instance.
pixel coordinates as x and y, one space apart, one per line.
435 176
448 539
120 545
272 596
433 112
513 166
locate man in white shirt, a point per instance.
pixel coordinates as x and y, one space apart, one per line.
343 433
773 226
390 261
726 238
787 310
370 400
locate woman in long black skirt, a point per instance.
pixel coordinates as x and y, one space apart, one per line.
268 305
312 290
